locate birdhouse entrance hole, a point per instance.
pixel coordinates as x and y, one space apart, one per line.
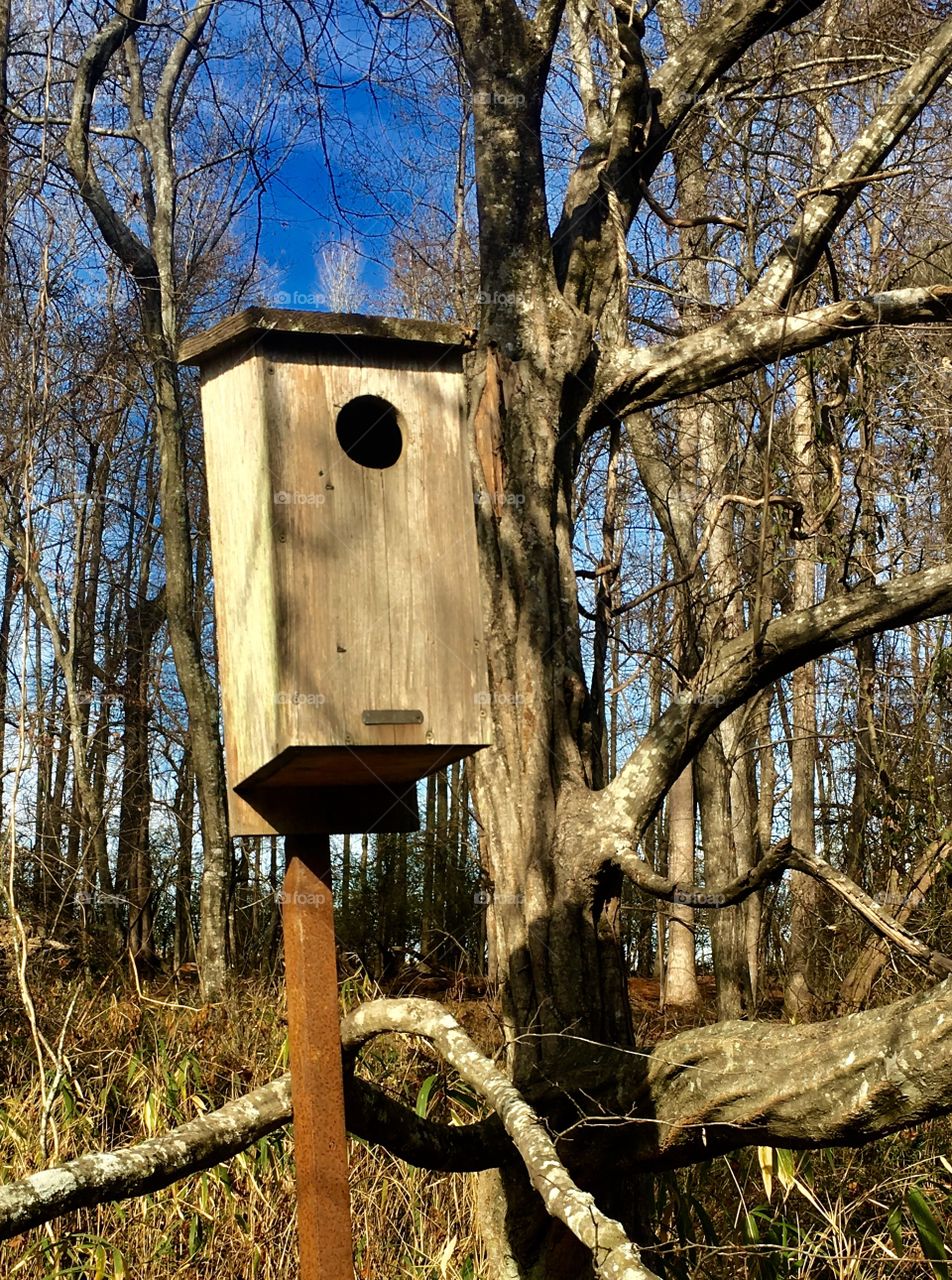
368 431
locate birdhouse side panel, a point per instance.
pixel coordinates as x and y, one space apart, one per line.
240 495
448 502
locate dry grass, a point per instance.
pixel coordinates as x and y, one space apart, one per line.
138 1063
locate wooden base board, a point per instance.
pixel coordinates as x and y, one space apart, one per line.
354 766
289 810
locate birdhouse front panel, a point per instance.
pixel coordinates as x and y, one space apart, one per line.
346 576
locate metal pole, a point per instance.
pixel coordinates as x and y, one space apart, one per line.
317 1089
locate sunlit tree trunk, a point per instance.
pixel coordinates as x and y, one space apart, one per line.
680 984
800 991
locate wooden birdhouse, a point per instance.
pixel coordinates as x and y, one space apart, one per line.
344 552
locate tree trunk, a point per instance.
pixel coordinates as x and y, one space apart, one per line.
197 689
429 869
802 968
183 810
728 926
136 793
153 269
680 983
550 933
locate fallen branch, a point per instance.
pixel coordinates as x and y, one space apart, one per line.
614 1255
148 1166
701 1094
872 912
202 1143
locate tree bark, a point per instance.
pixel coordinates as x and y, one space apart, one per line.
680 979
803 963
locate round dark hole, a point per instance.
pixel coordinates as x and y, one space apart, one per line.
369 432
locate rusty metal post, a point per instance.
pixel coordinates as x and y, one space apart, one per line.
317 1089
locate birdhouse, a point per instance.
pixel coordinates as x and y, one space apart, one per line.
343 542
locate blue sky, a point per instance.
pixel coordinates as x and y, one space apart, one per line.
375 119
293 219
298 218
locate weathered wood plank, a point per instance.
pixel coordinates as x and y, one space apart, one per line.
256 322
237 469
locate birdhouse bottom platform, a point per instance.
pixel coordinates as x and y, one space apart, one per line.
330 789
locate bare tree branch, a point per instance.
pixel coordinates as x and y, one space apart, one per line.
148 1166
872 912
613 1254
843 184
718 1088
547 20
713 47
856 986
163 164
783 857
200 1144
120 238
632 379
730 676
699 1095
771 866
605 188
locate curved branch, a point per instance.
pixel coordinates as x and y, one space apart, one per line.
186 44
631 379
120 238
773 864
714 46
780 858
547 20
202 1143
447 1148
613 1254
703 1093
731 1085
885 924
163 165
855 987
734 673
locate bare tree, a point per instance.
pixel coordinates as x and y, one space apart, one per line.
562 368
149 237
338 275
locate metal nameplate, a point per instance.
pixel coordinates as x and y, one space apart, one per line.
392 717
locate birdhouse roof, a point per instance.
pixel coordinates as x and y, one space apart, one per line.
249 327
